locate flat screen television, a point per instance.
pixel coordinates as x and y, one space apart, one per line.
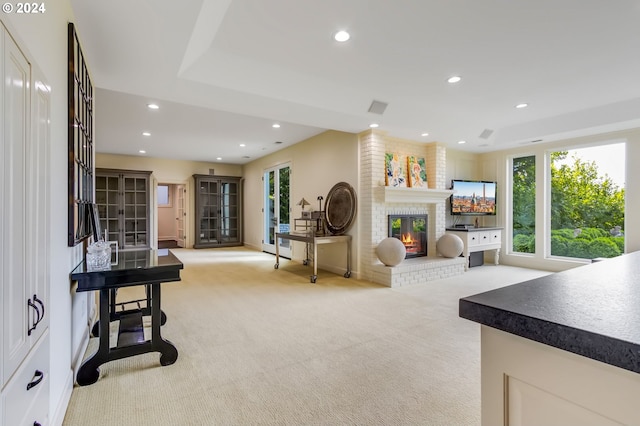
473 197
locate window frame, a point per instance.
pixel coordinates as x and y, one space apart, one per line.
169 203
542 257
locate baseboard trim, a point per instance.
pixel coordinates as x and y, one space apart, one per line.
57 417
78 357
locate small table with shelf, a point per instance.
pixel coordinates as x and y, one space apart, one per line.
312 240
137 267
479 239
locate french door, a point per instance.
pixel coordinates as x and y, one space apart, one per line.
181 214
277 209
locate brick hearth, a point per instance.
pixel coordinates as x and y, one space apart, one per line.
378 201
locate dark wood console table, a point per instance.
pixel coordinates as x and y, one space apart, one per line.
133 268
312 242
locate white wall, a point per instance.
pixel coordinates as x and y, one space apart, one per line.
317 164
43 39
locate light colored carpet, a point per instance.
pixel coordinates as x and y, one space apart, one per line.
263 346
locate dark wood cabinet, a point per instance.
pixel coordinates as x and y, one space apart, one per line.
218 211
123 203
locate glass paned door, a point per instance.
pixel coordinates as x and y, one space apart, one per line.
277 209
181 214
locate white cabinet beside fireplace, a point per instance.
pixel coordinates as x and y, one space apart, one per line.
479 239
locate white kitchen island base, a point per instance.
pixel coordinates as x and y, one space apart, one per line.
529 383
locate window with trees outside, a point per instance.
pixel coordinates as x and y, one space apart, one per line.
587 202
586 207
524 204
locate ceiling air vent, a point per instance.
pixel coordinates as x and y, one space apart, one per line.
486 133
378 107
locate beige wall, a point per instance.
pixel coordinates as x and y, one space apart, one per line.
317 164
165 170
172 172
471 166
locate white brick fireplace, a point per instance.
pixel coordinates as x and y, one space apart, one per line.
378 201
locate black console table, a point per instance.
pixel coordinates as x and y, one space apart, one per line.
133 268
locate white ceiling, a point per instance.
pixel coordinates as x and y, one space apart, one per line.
223 71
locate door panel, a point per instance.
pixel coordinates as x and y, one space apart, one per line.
16 320
277 208
181 215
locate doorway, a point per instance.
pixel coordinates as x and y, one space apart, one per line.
171 215
277 209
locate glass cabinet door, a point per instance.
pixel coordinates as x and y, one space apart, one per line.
123 205
208 212
108 201
136 207
217 211
229 212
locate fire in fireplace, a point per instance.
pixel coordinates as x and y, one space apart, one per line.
412 231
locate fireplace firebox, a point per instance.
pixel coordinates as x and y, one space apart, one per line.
412 231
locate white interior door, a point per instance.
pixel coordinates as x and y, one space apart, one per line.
277 209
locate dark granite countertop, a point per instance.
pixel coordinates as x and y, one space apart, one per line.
591 310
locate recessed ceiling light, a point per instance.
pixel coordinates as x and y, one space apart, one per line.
425 134
522 105
142 151
153 106
341 36
275 125
242 145
146 134
374 125
461 142
218 158
454 79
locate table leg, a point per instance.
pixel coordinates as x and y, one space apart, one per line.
169 353
163 316
89 371
314 277
277 254
348 273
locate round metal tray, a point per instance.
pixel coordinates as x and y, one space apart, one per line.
340 208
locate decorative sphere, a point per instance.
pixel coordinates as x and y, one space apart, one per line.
391 251
450 245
